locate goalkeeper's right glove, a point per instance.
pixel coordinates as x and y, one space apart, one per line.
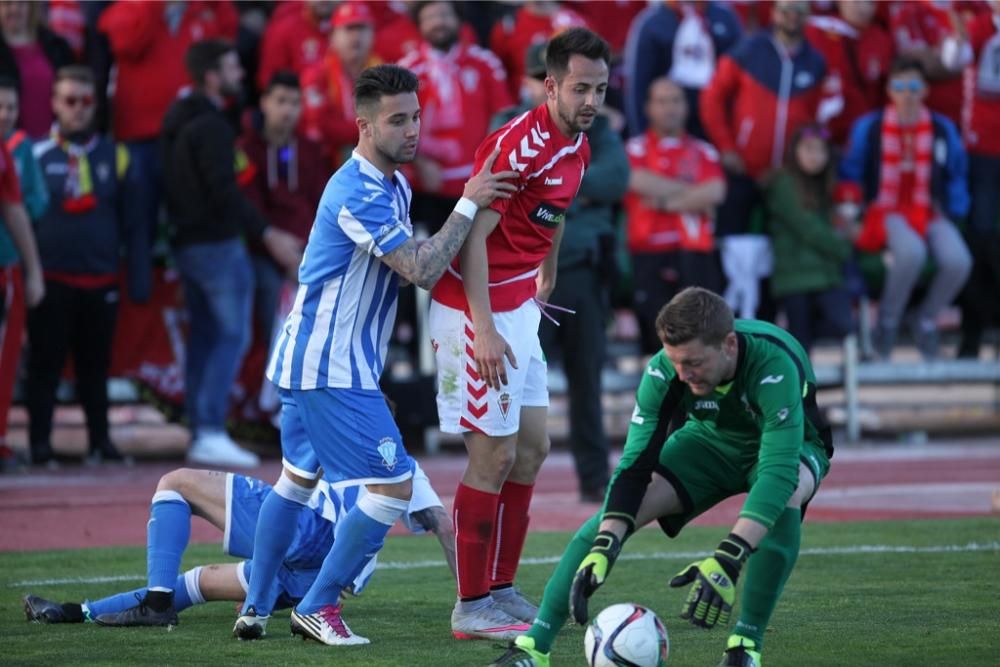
593 570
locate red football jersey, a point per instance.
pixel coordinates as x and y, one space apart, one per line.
512 36
678 158
550 167
10 187
460 91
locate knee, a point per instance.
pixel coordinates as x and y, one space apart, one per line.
910 255
179 481
532 455
494 465
956 263
291 490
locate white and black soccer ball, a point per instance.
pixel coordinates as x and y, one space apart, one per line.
628 635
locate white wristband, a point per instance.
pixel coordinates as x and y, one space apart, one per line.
467 207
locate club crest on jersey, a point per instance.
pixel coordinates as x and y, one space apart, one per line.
504 402
387 448
547 215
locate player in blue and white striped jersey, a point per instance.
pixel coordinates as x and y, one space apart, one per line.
329 356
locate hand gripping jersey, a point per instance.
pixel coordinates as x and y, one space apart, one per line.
549 168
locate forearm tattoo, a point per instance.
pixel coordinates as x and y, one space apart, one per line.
428 519
423 263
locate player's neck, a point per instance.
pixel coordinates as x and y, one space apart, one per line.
369 153
563 128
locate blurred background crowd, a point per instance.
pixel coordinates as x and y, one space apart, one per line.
804 159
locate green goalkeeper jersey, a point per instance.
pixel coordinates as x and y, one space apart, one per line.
760 419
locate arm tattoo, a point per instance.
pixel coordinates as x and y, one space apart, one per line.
428 519
422 264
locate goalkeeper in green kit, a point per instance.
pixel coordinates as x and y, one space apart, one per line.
725 408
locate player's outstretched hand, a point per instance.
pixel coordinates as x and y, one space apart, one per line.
592 572
486 186
491 350
714 591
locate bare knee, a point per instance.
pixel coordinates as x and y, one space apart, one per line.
490 461
179 481
805 489
530 456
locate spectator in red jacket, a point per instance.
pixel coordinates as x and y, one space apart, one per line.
766 86
287 174
533 22
461 88
295 38
858 53
30 54
328 86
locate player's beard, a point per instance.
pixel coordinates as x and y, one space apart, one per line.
396 154
443 41
573 121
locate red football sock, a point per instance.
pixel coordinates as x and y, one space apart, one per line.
510 533
474 516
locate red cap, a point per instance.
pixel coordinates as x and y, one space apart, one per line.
352 13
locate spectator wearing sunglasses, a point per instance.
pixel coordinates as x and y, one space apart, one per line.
91 217
911 167
30 54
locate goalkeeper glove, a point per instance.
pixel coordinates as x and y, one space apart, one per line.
714 592
593 570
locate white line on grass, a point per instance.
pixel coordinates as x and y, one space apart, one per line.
853 550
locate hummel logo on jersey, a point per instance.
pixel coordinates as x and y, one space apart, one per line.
553 181
772 379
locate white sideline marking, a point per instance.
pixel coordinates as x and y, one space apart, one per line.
853 550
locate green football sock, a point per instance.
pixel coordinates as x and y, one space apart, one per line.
554 610
766 573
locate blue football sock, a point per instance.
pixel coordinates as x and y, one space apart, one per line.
359 537
277 524
119 602
167 535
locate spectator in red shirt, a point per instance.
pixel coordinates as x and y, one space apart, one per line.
676 182
932 34
30 53
763 88
328 115
858 53
533 22
294 39
400 36
287 174
461 88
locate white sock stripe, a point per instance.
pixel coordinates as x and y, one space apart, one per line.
168 496
241 574
384 509
499 531
192 582
289 490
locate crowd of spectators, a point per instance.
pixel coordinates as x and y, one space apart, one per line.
790 155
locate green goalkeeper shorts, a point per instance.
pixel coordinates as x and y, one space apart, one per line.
705 473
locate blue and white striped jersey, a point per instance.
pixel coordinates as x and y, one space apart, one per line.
338 330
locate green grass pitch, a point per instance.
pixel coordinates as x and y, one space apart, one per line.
926 594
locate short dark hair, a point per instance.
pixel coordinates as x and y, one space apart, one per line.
380 80
695 313
905 64
78 73
284 78
204 57
10 83
575 41
418 7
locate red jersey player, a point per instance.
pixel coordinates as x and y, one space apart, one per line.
484 327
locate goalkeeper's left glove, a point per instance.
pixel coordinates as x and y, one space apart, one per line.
593 570
714 592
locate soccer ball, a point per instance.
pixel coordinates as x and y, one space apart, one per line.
626 634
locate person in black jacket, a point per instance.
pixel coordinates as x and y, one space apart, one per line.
208 218
31 54
90 218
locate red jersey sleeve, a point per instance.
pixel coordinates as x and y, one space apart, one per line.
10 188
508 160
711 169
